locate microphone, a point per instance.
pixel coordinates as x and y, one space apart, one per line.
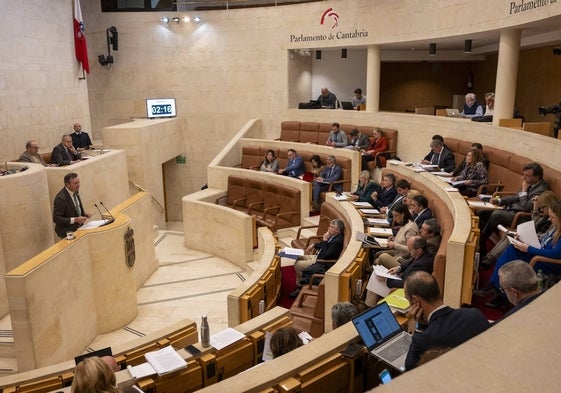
111 219
99 211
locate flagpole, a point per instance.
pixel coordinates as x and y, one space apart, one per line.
83 77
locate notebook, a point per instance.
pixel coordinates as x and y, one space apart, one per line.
382 335
453 113
347 105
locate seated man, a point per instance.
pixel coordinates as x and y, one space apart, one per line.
402 187
327 99
295 166
472 108
440 326
420 259
31 154
532 185
337 137
430 231
341 313
327 250
80 139
388 193
359 141
520 285
441 156
420 210
359 99
65 153
330 174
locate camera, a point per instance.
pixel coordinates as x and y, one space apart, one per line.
544 110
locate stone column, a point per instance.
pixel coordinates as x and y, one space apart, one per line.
507 72
373 67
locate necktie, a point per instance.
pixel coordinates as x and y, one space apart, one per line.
77 204
435 158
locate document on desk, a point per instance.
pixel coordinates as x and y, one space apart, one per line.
378 222
225 338
93 224
165 360
385 232
369 211
289 252
363 204
340 197
449 181
142 370
485 205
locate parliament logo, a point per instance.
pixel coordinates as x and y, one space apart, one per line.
331 14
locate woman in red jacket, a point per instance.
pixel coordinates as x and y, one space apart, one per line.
379 144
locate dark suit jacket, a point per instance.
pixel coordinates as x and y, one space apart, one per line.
446 161
61 156
385 197
63 211
447 328
424 263
520 305
81 141
328 250
331 175
364 193
425 215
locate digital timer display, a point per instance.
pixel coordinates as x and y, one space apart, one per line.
162 107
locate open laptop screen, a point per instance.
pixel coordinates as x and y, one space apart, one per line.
376 325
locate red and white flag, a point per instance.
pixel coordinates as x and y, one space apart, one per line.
80 38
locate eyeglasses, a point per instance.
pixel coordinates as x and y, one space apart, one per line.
504 289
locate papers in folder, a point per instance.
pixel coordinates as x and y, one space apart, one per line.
340 197
383 232
292 253
397 301
161 362
369 211
362 204
526 234
225 338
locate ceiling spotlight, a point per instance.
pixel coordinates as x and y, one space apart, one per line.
186 19
165 19
432 49
176 19
467 46
197 19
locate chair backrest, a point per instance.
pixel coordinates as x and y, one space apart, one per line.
255 194
323 133
424 110
542 128
251 156
441 112
237 189
290 131
511 123
309 132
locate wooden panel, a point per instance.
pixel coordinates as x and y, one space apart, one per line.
467 280
42 386
330 375
183 381
249 302
234 359
186 336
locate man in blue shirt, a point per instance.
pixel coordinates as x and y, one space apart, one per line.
295 166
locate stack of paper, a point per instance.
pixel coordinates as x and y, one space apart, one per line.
397 301
369 211
292 253
378 221
225 338
161 362
362 204
340 197
382 232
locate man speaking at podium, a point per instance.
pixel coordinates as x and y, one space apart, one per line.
68 211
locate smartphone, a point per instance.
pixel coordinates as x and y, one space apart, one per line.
385 376
192 350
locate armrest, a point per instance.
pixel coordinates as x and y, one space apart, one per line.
539 258
505 193
313 279
252 205
237 201
490 186
517 218
305 227
309 240
270 211
387 153
330 189
255 167
219 199
279 215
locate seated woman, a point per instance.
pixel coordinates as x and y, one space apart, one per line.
398 252
473 175
270 163
284 340
378 145
366 186
550 248
541 221
317 165
93 375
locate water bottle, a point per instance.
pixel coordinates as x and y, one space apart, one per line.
205 332
261 306
541 279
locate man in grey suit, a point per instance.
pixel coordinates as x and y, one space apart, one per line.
359 141
31 154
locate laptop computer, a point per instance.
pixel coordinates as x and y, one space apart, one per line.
383 336
453 112
347 105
